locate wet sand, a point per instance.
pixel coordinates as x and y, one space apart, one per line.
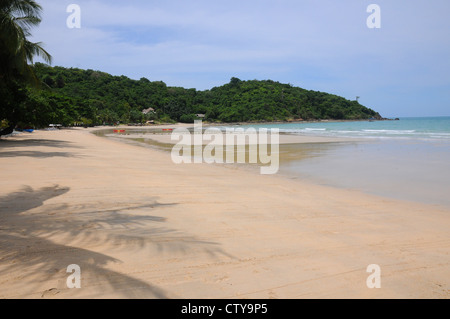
284 139
412 170
140 226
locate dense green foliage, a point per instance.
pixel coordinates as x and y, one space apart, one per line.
91 97
77 95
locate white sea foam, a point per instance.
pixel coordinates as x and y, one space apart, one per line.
408 128
391 131
315 129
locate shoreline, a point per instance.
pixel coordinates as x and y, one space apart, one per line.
140 226
216 124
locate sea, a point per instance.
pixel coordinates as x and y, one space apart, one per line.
406 159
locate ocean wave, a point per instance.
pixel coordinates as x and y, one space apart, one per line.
371 134
391 131
414 129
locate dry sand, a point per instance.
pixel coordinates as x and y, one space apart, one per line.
140 226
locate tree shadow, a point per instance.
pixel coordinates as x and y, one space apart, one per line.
28 222
27 198
36 154
14 144
37 142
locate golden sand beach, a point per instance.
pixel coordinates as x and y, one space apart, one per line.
140 226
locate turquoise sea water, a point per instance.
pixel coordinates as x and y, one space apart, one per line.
407 159
424 128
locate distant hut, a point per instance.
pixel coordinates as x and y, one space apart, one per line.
150 110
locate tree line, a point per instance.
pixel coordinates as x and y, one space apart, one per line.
73 95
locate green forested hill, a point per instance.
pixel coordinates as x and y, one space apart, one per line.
95 97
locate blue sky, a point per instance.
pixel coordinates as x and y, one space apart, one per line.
401 69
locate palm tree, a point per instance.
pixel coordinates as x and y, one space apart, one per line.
17 18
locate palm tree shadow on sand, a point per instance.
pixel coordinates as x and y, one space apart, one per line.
27 223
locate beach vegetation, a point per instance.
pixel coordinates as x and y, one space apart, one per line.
105 98
17 53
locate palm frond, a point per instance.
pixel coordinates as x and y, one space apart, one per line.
27 22
17 18
21 7
36 49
